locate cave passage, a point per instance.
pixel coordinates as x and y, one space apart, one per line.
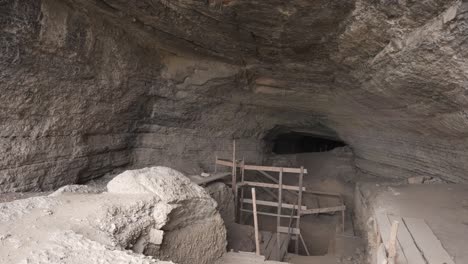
294 142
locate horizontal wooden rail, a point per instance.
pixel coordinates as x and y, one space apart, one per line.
269 214
274 204
323 210
285 229
271 185
259 168
275 169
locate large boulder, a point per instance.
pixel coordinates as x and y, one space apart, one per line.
193 229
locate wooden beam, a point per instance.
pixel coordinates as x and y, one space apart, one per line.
267 214
299 203
260 168
278 218
285 229
323 210
427 242
273 204
392 242
227 163
257 241
234 179
272 185
273 169
323 193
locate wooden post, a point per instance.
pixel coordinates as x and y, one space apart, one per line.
234 178
392 242
242 192
216 164
257 241
299 204
278 219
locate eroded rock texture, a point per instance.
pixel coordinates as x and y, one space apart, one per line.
155 211
91 86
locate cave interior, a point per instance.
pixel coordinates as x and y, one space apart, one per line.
370 96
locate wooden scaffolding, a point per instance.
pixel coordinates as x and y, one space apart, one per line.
275 243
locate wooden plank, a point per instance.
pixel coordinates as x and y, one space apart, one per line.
268 214
278 218
412 253
229 163
273 169
271 185
427 242
242 192
385 229
323 210
234 180
224 162
285 229
257 242
273 204
392 242
381 254
299 202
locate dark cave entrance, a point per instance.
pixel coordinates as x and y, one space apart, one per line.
295 142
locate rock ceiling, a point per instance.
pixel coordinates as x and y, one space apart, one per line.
80 77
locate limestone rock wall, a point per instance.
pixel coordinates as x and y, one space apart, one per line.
92 86
82 97
191 117
71 87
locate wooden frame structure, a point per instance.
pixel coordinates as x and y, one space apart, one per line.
279 186
297 209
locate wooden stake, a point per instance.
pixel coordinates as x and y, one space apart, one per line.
257 241
278 219
234 178
299 207
242 192
392 242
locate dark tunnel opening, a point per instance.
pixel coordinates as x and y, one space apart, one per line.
293 142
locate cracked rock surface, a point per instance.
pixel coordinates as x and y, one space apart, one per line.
92 87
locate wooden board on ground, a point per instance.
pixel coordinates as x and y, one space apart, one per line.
427 242
385 228
412 253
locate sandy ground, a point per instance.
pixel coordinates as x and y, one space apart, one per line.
444 207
